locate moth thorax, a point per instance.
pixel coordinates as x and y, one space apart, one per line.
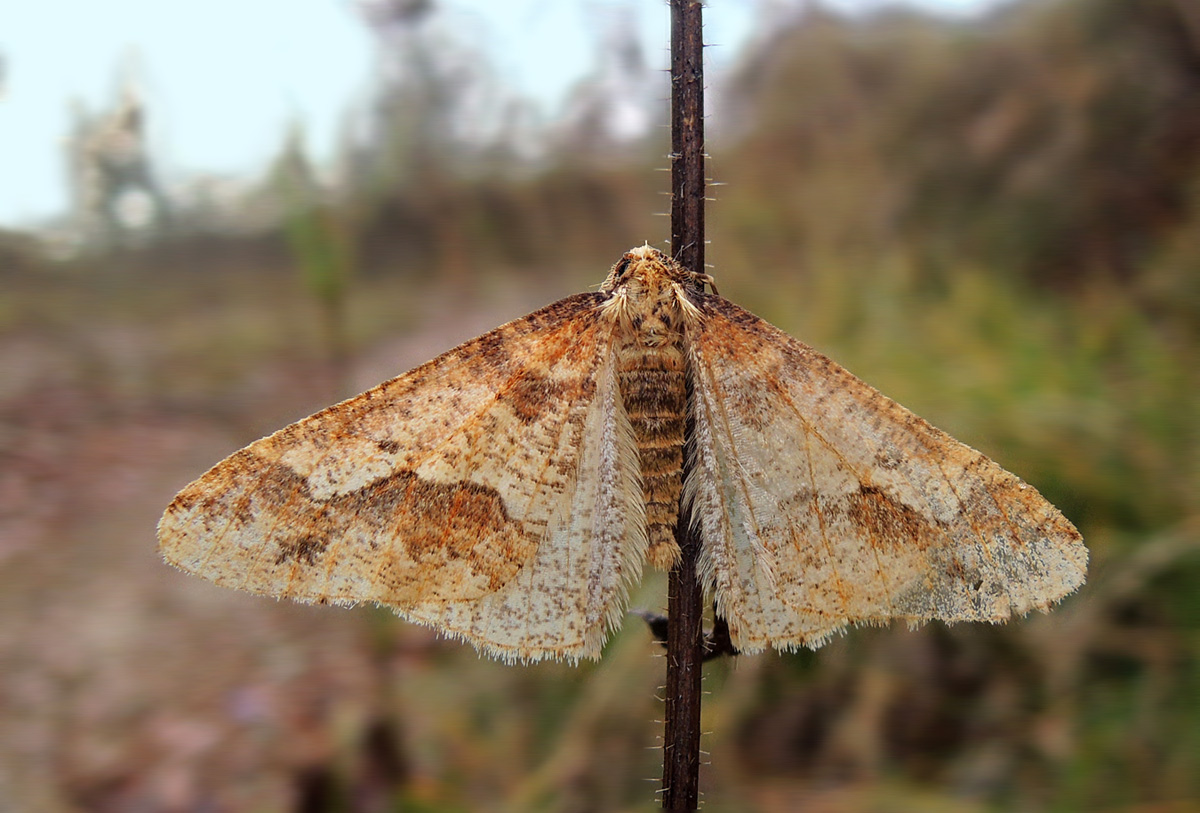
653 387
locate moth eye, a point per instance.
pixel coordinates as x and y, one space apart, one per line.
622 268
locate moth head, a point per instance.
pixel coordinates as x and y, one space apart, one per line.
645 270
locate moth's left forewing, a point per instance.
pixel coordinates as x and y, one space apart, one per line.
823 503
491 493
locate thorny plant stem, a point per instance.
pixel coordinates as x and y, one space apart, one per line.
685 609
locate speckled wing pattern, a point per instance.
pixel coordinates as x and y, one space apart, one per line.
509 492
822 503
491 492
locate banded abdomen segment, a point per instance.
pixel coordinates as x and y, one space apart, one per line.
653 387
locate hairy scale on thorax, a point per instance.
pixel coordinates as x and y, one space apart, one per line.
652 309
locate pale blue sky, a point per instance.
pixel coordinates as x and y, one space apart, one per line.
223 78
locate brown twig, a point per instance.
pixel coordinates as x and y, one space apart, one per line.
685 608
717 642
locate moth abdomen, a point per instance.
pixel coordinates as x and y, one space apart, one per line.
653 388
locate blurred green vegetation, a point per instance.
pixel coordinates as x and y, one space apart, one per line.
996 222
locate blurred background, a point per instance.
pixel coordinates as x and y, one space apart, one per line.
215 220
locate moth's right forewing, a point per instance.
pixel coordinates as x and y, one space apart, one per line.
823 503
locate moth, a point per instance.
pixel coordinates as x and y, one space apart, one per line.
509 491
